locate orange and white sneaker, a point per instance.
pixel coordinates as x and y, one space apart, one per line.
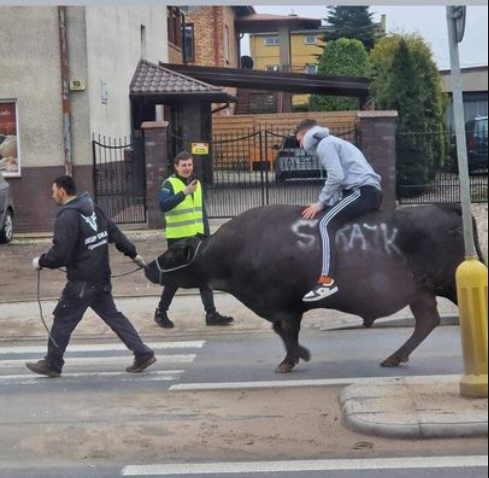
326 287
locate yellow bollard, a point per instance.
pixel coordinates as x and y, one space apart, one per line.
472 286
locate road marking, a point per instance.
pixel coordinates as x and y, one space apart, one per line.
310 383
106 361
29 379
404 463
87 348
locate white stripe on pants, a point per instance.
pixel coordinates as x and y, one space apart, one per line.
324 228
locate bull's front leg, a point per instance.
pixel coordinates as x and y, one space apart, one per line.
289 331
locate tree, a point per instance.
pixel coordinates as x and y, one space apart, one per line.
405 78
340 57
354 23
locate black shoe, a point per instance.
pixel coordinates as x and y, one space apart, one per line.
43 368
218 320
141 365
162 319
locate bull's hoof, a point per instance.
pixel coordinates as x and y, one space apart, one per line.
393 362
285 367
304 354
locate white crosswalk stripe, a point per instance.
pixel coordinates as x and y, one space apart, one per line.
85 361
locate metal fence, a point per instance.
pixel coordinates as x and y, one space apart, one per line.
120 179
427 169
249 169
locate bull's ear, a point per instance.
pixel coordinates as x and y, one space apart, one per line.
190 249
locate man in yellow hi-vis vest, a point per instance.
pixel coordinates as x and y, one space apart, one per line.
182 201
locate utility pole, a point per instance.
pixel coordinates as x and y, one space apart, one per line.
472 278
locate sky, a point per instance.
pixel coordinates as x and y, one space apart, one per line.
429 21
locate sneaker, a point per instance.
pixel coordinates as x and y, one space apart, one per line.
321 292
43 368
162 319
216 319
141 365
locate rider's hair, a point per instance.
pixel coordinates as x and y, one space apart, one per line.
305 126
67 183
183 156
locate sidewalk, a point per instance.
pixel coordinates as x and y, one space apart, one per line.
21 320
412 408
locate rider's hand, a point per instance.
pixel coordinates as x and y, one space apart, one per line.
190 189
140 262
35 264
312 211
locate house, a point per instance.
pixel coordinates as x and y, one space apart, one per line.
65 78
306 47
475 89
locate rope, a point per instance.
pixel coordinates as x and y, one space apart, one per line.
41 312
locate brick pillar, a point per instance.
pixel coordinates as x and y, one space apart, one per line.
156 148
379 137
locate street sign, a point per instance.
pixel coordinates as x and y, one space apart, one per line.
459 14
200 149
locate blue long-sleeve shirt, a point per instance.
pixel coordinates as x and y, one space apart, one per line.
169 200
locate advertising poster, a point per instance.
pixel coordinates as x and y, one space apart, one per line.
9 146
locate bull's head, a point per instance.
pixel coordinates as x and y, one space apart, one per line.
177 267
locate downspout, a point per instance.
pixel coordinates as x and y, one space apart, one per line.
215 12
65 91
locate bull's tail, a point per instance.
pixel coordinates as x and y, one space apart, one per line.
450 291
478 243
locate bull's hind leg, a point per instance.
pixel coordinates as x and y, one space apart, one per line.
289 331
427 319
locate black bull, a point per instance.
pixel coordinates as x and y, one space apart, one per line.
270 258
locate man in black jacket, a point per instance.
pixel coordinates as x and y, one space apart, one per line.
82 235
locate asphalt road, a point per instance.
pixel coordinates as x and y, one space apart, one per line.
32 408
70 471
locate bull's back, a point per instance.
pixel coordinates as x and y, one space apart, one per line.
385 254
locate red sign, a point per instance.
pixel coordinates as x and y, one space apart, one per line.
9 147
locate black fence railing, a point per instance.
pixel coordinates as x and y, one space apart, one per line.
427 168
249 169
120 179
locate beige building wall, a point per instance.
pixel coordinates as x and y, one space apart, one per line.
114 47
474 80
29 53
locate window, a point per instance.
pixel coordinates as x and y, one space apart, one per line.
311 40
227 44
175 36
272 41
190 42
311 69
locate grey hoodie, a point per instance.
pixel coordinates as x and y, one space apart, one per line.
345 164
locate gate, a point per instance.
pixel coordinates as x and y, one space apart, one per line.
120 179
427 170
250 169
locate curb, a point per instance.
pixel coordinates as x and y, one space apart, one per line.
362 413
403 322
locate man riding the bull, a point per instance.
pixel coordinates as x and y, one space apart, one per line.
182 201
352 189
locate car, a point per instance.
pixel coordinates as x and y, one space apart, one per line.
293 163
6 212
478 143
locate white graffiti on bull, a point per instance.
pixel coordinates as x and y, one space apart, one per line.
365 237
305 231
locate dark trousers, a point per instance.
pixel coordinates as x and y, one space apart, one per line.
206 295
169 292
77 298
354 204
